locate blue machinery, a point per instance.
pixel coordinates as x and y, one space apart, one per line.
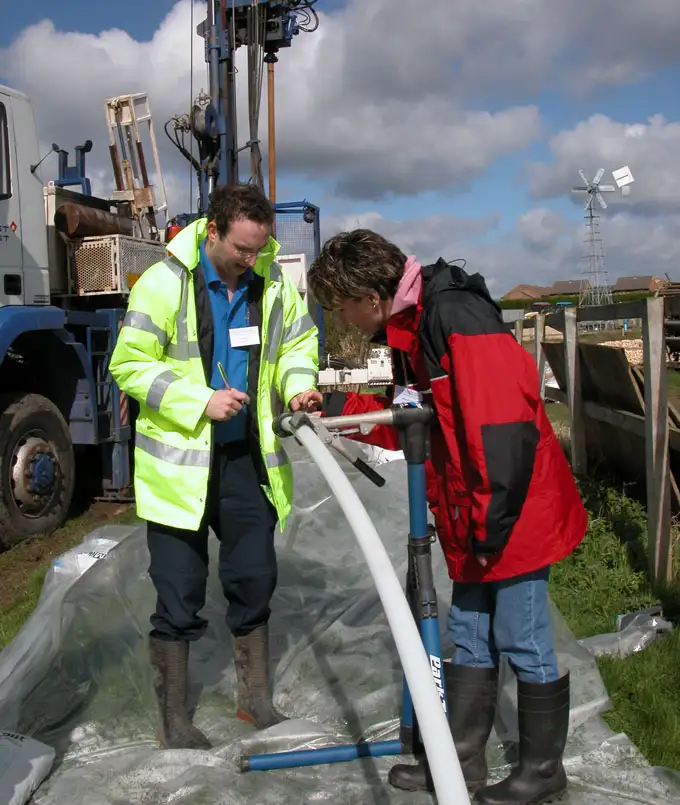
420 590
263 28
298 232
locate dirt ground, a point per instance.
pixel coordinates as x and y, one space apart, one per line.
19 564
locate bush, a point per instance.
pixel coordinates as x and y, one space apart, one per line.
344 342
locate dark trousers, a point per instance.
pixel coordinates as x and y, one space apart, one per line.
244 521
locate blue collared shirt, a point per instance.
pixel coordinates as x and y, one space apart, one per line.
227 316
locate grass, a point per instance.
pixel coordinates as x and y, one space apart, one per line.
23 568
617 334
674 387
607 576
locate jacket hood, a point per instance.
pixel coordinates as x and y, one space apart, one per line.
443 276
185 246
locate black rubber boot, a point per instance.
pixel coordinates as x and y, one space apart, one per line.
543 715
471 697
251 656
169 661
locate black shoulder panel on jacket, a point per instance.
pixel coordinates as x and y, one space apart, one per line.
204 321
455 312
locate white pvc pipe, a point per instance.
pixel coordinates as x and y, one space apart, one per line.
447 775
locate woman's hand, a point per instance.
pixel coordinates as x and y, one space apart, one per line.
307 401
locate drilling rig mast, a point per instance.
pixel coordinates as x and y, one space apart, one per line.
263 27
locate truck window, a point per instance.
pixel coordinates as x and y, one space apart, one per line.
5 183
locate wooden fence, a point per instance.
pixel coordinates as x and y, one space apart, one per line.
572 360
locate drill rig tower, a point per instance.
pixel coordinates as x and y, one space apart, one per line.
263 27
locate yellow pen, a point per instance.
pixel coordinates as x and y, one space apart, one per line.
220 369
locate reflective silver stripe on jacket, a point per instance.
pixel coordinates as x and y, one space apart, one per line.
299 327
158 388
144 322
301 370
184 349
173 455
177 268
276 459
275 329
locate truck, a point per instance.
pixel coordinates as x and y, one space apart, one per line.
67 262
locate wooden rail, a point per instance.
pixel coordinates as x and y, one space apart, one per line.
654 426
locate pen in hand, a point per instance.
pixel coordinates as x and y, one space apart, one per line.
223 374
227 387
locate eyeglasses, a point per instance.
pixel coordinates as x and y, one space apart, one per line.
245 252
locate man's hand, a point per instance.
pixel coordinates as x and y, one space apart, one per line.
307 401
225 404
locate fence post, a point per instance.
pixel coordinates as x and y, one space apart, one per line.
539 336
656 443
577 433
519 331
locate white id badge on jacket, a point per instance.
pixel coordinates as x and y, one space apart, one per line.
244 336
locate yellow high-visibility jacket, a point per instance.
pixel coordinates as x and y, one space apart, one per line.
159 362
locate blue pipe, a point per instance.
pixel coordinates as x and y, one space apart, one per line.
417 501
312 757
429 629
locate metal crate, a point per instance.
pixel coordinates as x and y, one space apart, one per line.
111 264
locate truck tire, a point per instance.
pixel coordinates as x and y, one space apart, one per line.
37 467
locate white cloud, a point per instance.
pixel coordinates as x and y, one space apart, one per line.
370 118
539 228
373 119
509 48
333 120
415 235
651 150
543 247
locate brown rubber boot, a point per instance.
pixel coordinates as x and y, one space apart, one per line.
251 657
169 660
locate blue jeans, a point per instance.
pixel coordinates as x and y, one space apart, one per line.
509 617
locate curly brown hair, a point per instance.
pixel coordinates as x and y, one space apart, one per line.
237 202
353 264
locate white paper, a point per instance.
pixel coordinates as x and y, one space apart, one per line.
244 336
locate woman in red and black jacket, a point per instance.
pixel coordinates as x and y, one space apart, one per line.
505 503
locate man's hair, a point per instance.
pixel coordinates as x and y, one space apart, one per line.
353 264
237 202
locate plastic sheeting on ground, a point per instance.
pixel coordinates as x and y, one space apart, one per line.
77 676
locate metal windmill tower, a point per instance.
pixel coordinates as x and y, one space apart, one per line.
596 291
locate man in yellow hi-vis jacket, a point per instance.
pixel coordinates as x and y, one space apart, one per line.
216 340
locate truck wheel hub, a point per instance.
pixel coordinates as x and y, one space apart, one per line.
34 474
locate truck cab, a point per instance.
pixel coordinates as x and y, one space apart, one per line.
24 272
62 301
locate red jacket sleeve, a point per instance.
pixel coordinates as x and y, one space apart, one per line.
339 403
486 394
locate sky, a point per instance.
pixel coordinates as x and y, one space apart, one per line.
457 131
